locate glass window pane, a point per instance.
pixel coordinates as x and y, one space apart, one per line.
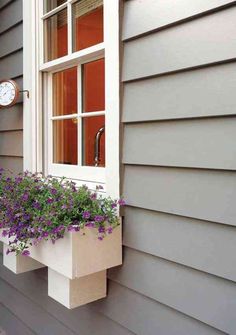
94 86
87 23
65 92
51 4
94 141
55 35
65 141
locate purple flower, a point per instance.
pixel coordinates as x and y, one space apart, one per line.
36 205
90 224
53 191
86 215
25 253
101 230
114 205
109 230
93 196
25 197
121 202
99 218
49 222
45 234
50 201
100 238
4 233
8 252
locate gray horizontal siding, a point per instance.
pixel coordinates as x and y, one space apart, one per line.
12 65
32 300
31 314
205 297
14 164
203 194
187 94
189 143
3 3
11 40
11 143
12 119
202 245
145 316
207 40
10 15
146 15
9 323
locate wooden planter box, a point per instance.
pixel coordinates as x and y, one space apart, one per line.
76 264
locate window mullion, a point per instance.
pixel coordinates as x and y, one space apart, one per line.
69 30
79 111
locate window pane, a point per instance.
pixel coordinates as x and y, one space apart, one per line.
51 4
65 141
87 23
65 92
94 141
94 86
55 34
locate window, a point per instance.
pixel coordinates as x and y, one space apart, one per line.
73 73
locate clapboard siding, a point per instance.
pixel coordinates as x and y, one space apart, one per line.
145 316
202 245
11 119
14 164
205 297
179 161
153 318
10 15
209 39
83 320
146 15
190 143
203 194
11 143
12 65
9 323
11 40
31 314
3 3
187 94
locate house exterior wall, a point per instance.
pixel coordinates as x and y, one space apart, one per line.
11 66
178 155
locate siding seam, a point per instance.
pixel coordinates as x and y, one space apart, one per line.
11 312
167 306
183 216
182 70
181 21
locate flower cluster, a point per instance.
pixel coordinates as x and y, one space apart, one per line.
35 208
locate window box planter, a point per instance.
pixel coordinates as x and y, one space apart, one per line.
76 264
75 232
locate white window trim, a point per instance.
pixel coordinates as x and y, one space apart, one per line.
33 128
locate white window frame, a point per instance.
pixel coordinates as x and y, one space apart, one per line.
36 146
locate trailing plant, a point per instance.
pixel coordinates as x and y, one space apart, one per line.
34 208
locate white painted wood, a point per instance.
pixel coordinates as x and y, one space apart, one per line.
32 122
19 264
76 292
79 253
112 93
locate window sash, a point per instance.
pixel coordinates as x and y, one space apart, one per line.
37 80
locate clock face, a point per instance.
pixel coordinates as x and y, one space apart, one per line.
8 93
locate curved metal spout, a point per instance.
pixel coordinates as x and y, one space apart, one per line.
97 146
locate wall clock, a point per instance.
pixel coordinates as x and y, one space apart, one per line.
9 93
